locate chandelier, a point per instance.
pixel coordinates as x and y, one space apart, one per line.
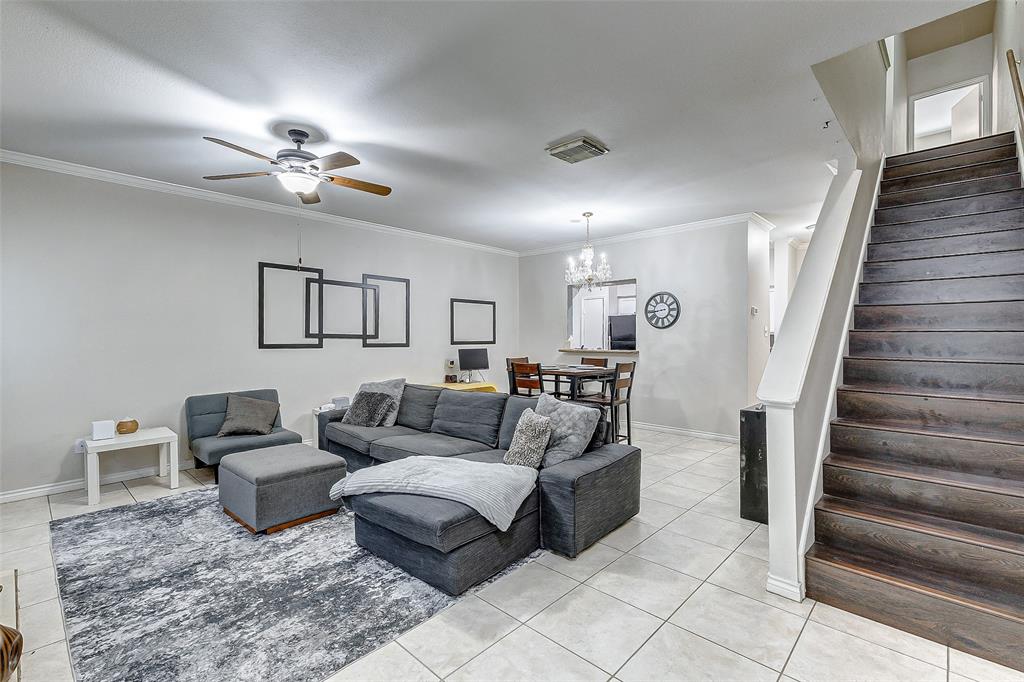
585 274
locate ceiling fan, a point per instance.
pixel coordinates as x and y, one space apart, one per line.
300 171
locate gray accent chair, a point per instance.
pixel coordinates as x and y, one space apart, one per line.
446 543
204 415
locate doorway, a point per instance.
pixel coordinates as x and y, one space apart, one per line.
952 114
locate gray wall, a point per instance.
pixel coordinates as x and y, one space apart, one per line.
122 301
1007 34
693 375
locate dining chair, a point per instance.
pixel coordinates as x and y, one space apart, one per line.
508 369
526 377
587 387
620 390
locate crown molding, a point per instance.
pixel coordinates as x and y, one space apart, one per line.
752 218
68 168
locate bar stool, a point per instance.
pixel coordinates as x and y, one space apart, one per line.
614 399
586 390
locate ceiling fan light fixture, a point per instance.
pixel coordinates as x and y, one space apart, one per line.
298 182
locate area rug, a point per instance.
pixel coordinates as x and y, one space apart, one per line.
175 590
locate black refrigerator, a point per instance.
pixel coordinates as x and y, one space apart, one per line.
753 464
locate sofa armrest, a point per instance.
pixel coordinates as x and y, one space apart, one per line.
322 420
584 499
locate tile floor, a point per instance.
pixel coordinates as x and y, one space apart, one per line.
676 593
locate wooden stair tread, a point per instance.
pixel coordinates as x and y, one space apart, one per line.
941 255
952 215
949 529
963 591
927 474
966 361
900 389
860 424
952 169
943 236
945 184
993 139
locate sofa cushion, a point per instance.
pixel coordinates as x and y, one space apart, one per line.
417 407
369 408
282 463
391 387
358 438
572 428
491 456
513 410
204 414
442 524
436 444
470 415
530 440
210 449
249 416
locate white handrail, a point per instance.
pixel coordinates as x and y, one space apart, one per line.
1018 90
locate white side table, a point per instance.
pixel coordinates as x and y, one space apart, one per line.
161 435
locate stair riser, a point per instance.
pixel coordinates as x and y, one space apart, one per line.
899 546
944 267
945 163
950 207
981 508
987 418
999 460
999 346
999 288
984 170
950 191
929 247
946 377
1008 315
959 626
949 150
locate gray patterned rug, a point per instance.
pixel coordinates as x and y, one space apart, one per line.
175 590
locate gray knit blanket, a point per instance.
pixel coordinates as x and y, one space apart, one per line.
496 491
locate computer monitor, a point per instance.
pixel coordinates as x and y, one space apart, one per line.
473 358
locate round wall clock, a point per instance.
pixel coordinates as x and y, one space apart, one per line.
662 310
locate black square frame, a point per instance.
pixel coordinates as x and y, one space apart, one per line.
369 343
263 267
494 321
321 283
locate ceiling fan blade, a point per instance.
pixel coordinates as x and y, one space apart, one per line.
232 176
335 160
240 149
359 184
309 197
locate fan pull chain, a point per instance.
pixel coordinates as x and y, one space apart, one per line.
298 230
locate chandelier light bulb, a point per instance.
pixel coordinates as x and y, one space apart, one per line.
585 275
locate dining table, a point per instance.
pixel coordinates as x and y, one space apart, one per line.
575 375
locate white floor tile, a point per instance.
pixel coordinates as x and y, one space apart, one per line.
655 513
29 559
22 513
47 664
629 535
204 476
711 471
527 591
710 529
77 501
749 575
645 585
758 631
757 544
21 538
826 654
683 455
670 461
675 654
457 634
723 508
883 635
41 624
981 670
707 445
689 479
390 662
527 655
154 487
601 629
36 587
586 564
680 553
652 473
675 495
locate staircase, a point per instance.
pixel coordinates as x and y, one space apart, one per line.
921 525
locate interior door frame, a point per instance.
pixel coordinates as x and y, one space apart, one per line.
604 319
986 106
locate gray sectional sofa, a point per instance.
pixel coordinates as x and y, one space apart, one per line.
447 543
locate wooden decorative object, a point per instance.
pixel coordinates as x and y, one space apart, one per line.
126 426
11 645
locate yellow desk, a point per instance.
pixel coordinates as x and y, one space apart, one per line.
478 386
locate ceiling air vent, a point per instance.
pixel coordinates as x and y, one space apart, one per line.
578 149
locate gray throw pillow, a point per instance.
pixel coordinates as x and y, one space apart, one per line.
391 387
368 408
530 440
248 416
572 427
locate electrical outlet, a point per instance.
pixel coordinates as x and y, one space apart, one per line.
80 446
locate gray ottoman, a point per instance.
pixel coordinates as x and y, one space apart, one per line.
274 488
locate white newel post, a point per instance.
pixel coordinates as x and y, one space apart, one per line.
785 565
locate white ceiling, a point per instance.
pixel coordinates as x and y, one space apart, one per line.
709 108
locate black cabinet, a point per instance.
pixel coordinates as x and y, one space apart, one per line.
753 464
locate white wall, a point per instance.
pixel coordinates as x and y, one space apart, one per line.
693 375
898 117
954 65
1007 34
123 301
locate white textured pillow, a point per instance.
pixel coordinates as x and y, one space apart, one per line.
392 387
572 427
530 440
